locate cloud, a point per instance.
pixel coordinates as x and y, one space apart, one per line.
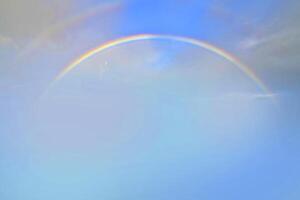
252 96
274 48
7 42
25 19
242 97
279 31
60 27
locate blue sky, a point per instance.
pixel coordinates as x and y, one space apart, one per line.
163 119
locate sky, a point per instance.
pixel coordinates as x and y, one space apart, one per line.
140 99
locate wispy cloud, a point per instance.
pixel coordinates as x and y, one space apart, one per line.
8 42
239 96
281 38
24 19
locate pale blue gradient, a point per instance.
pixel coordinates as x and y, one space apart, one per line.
176 121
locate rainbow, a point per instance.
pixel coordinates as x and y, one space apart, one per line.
229 57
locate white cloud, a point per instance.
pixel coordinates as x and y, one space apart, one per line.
8 42
23 19
242 97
